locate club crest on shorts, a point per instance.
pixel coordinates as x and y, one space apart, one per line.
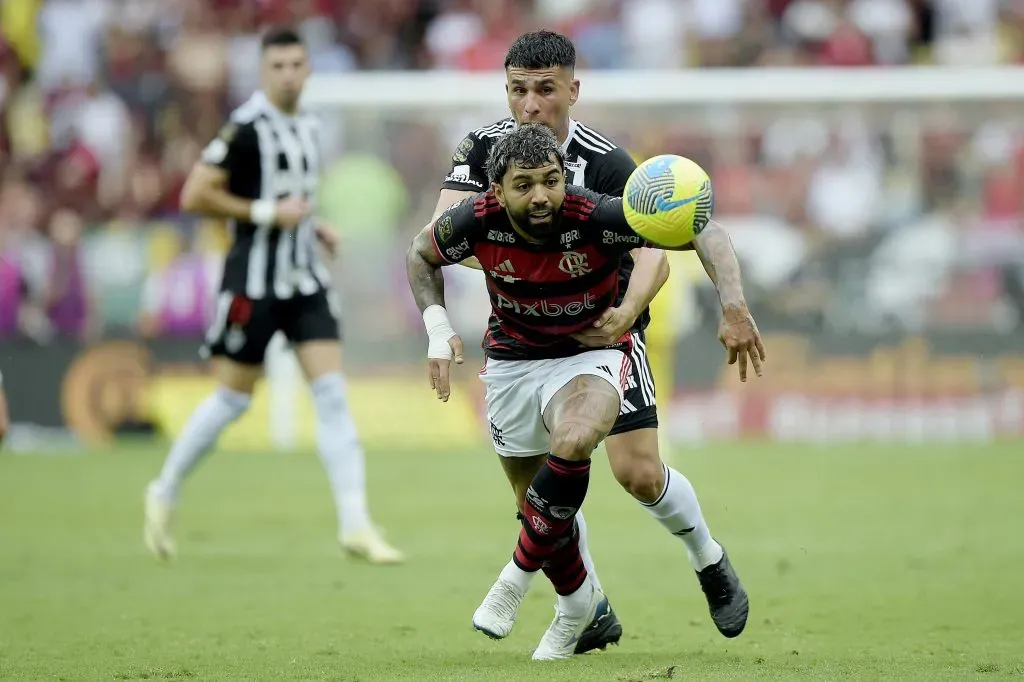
539 525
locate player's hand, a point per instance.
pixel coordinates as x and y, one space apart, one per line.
328 238
607 329
291 211
738 333
439 365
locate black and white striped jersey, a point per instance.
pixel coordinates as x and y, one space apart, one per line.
591 161
270 155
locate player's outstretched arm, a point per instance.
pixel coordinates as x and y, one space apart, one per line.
737 331
423 266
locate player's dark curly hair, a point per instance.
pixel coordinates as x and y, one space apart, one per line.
280 36
541 50
528 146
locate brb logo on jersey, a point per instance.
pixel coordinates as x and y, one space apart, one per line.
574 264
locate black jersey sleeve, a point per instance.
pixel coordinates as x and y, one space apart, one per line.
613 172
468 172
235 149
616 234
456 231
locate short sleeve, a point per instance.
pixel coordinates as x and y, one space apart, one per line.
613 173
468 172
235 148
456 231
616 234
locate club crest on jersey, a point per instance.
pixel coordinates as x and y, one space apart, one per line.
574 263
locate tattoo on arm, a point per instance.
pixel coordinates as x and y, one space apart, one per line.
716 253
424 269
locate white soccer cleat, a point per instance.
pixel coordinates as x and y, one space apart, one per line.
559 642
156 530
369 544
497 614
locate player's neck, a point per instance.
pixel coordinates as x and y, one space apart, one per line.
283 108
563 131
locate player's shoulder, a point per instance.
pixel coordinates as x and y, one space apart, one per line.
473 207
493 132
577 194
594 140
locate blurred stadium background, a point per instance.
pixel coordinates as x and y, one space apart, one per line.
868 158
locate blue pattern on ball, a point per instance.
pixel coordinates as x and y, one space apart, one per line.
655 182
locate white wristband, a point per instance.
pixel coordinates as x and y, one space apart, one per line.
263 212
439 331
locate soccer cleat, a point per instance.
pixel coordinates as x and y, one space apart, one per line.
156 530
369 544
603 630
727 600
497 613
560 639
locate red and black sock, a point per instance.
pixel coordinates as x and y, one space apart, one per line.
548 539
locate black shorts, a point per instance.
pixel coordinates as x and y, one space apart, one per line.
638 406
243 327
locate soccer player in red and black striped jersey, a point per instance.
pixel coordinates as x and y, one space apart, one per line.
551 256
542 88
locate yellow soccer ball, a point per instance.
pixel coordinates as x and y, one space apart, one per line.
668 200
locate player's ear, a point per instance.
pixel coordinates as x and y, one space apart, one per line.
499 193
574 91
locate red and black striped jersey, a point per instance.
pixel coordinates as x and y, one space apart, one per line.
540 293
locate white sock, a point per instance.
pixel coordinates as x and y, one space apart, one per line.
588 561
517 576
341 453
199 436
678 510
575 605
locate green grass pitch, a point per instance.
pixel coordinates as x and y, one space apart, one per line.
862 562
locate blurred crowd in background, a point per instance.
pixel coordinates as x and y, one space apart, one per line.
860 219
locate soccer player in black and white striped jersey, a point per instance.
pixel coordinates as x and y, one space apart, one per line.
261 174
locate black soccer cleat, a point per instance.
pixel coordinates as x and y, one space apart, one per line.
605 629
727 600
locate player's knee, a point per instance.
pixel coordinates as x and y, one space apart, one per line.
329 392
234 402
575 440
641 474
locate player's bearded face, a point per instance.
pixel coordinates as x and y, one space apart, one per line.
533 198
285 69
542 96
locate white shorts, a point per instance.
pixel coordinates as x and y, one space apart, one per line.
518 391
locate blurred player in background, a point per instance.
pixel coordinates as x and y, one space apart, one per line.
541 88
5 418
551 256
261 173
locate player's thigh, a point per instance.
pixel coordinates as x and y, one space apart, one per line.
520 472
311 325
581 397
237 339
512 393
